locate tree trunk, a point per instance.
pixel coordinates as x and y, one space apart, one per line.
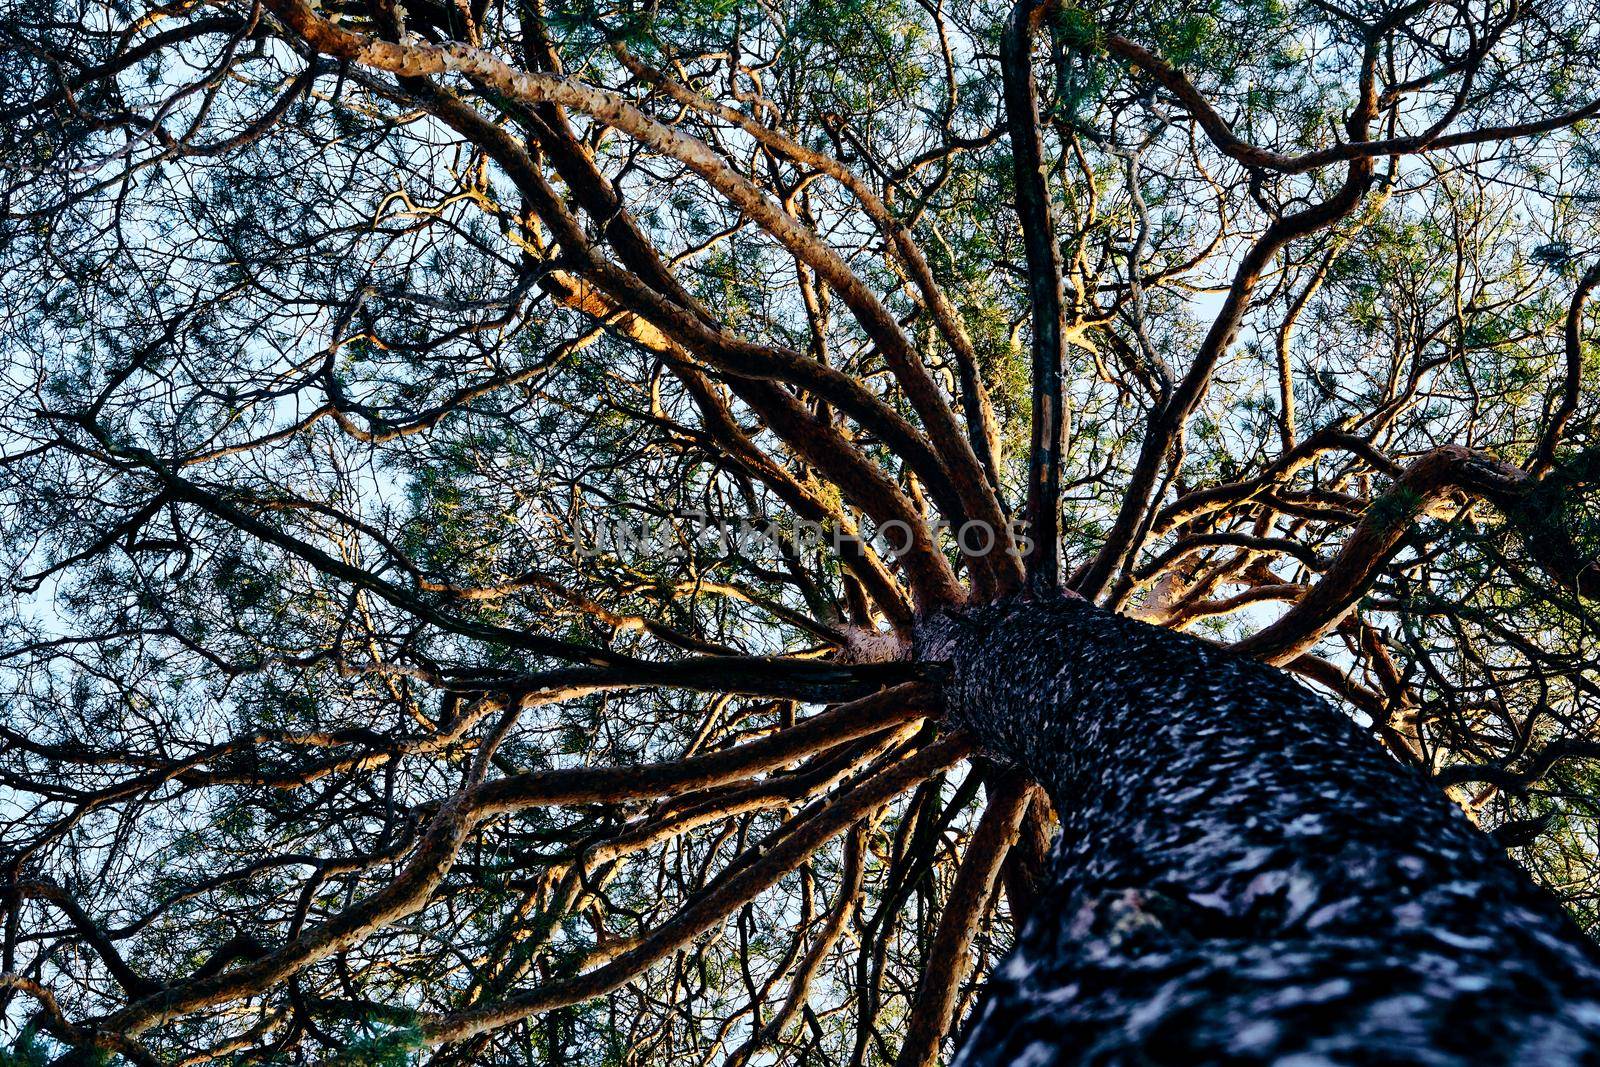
1242 875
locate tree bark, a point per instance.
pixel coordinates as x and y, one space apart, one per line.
1242 875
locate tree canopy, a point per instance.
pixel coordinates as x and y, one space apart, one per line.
469 473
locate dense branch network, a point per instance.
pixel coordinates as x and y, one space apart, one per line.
472 473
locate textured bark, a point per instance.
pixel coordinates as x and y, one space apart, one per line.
1242 875
1046 296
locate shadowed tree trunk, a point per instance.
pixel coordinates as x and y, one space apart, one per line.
1242 876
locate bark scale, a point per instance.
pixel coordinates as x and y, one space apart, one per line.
1242 875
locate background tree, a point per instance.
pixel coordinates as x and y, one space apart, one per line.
343 340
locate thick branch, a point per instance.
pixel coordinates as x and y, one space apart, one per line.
1046 300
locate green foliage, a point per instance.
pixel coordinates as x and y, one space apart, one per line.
1398 507
1565 505
26 1051
1077 29
376 1045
